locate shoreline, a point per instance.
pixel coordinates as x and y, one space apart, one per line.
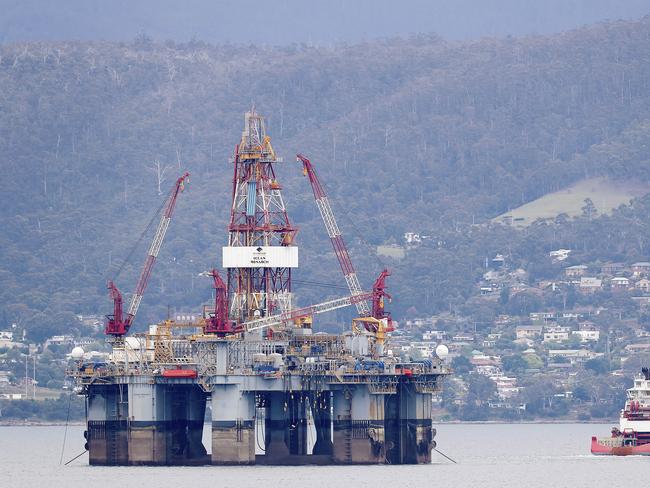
78 423
524 422
39 423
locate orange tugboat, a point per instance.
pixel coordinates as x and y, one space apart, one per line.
632 437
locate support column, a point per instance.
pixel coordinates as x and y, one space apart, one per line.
297 423
409 433
358 426
196 401
233 433
321 404
183 424
276 445
147 441
407 421
342 448
424 432
107 424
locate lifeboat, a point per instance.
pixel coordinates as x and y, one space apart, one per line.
179 373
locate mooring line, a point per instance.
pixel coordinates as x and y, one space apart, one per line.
443 454
77 456
65 433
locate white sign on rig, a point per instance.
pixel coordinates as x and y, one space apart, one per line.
260 257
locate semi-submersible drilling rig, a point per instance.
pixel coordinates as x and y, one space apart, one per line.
279 393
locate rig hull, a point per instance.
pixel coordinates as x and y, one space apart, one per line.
289 418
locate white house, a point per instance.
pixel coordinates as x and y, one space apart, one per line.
556 334
586 335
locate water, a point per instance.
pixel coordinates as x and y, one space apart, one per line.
488 456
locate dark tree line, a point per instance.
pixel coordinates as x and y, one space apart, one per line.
409 135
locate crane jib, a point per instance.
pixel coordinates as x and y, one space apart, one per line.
116 326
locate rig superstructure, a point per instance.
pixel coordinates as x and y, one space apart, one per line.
279 393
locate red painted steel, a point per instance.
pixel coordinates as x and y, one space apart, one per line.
219 323
116 325
180 373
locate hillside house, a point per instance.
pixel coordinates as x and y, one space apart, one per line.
506 386
620 283
542 316
489 343
642 348
573 355
590 285
586 335
480 359
426 349
434 335
463 338
7 340
487 369
640 269
556 334
60 340
643 285
576 271
612 269
528 331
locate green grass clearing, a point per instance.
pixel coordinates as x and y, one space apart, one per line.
605 193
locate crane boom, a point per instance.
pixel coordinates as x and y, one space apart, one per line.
219 323
335 236
116 326
296 313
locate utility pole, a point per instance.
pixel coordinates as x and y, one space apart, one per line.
26 387
34 379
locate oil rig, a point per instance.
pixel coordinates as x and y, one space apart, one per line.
279 393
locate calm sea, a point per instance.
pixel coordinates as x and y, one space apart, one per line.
488 456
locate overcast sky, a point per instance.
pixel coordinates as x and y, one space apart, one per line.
289 21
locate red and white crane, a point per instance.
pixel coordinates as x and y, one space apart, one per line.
219 323
117 325
335 236
377 296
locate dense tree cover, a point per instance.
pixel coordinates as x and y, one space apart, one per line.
67 407
409 135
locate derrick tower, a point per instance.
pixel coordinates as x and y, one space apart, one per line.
260 252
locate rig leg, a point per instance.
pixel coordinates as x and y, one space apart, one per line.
233 433
107 425
358 426
147 439
276 446
321 404
165 424
409 433
297 423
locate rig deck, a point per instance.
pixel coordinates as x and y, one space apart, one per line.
311 399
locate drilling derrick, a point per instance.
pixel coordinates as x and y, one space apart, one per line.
260 255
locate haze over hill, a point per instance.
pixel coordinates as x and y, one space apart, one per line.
419 135
299 21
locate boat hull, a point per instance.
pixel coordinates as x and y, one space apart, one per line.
609 447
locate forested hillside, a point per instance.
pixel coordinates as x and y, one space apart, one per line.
409 135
